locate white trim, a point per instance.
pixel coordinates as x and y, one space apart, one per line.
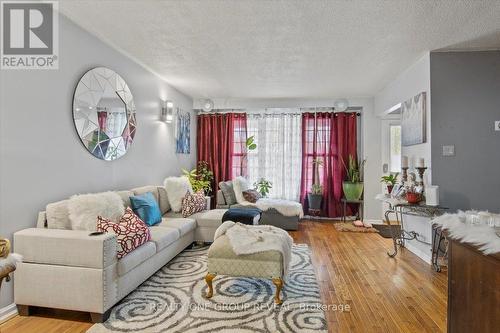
8 312
373 221
419 253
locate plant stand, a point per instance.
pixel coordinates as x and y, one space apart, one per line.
314 212
356 202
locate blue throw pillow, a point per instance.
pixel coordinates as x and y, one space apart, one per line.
146 207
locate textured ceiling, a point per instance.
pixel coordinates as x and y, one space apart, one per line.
273 49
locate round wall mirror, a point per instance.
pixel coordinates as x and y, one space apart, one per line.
104 113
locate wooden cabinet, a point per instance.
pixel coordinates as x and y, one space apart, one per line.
473 290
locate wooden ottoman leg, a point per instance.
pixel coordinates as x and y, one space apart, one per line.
278 282
208 280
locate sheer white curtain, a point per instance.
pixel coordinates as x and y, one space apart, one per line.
278 157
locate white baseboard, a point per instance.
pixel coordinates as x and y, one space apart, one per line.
373 221
8 312
425 256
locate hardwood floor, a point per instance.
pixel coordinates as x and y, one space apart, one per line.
384 295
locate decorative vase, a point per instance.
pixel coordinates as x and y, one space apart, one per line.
413 198
314 200
352 191
389 188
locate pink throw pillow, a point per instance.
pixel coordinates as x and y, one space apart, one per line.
131 232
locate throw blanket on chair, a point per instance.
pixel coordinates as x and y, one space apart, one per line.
247 239
284 207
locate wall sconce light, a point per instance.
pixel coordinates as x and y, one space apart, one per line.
167 110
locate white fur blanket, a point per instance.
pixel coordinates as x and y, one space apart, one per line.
482 236
12 260
284 207
246 239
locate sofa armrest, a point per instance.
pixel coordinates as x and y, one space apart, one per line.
66 247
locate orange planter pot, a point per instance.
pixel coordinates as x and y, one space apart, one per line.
413 198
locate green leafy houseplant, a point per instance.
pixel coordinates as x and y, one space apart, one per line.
315 197
390 180
250 145
317 189
263 186
200 178
353 185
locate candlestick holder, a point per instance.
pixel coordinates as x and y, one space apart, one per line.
404 174
421 171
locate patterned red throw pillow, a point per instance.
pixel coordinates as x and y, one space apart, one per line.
131 232
193 203
251 196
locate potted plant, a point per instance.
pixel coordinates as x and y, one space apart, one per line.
413 193
315 197
390 180
250 145
200 178
263 186
353 185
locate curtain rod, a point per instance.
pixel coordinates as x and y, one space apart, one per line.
310 109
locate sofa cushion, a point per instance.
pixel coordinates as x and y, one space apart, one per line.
145 189
125 195
146 207
163 200
136 257
240 184
163 236
173 214
228 192
176 188
193 203
58 215
84 209
130 231
209 218
184 225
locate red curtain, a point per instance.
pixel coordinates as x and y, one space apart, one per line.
327 136
221 142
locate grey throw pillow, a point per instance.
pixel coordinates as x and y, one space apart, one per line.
228 192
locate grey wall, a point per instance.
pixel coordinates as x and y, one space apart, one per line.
465 90
42 159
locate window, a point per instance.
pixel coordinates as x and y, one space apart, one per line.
395 148
278 156
239 145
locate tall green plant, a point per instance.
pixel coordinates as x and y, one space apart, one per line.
316 187
250 145
354 169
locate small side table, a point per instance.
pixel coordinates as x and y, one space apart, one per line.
356 202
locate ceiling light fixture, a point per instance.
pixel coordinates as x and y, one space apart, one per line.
208 105
341 104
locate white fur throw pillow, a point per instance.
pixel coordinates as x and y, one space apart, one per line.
84 209
240 184
176 188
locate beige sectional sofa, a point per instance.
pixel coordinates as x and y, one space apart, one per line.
68 269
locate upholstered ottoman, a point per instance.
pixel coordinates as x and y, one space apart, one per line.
223 260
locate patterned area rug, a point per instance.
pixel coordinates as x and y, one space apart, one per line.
173 300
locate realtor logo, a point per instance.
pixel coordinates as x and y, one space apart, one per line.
30 35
